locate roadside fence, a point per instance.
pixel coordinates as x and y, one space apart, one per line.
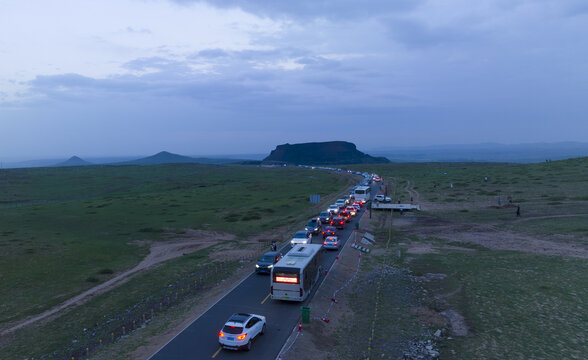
122 324
334 297
333 301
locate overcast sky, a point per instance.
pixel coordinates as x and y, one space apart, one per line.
128 77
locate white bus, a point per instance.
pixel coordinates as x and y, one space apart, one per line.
294 276
362 193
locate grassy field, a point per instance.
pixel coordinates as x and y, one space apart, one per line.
550 188
517 304
64 230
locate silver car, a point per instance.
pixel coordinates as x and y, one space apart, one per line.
331 242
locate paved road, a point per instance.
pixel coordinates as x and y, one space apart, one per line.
200 339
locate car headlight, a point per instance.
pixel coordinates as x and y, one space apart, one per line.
256 265
270 266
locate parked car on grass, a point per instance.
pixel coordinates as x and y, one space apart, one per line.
382 198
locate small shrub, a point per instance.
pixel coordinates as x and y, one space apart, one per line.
556 198
232 217
150 230
251 217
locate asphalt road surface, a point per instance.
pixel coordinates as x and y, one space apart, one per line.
200 339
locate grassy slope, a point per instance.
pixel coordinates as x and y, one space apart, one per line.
63 229
517 305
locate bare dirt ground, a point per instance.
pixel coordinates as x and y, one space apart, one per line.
492 237
175 246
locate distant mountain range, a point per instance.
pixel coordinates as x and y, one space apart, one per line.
313 154
163 157
321 153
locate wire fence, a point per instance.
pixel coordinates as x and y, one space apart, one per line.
334 297
122 324
324 317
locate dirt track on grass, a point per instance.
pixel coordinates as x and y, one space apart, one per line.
175 246
490 236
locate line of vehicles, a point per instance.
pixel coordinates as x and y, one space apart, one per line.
293 275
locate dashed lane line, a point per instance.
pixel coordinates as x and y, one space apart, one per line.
216 353
264 300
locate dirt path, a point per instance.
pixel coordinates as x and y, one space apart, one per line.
176 246
549 217
414 195
491 236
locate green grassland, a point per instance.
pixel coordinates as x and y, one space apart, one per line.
542 189
64 230
517 305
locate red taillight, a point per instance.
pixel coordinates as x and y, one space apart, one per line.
336 243
324 243
241 337
221 334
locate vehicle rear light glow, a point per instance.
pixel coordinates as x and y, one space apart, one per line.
241 337
288 280
324 243
221 334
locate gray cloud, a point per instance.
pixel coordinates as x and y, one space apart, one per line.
335 9
211 54
415 34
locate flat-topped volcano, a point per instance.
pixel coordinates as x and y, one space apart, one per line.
321 153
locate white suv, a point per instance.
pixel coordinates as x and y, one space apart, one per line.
302 237
382 198
333 208
240 330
